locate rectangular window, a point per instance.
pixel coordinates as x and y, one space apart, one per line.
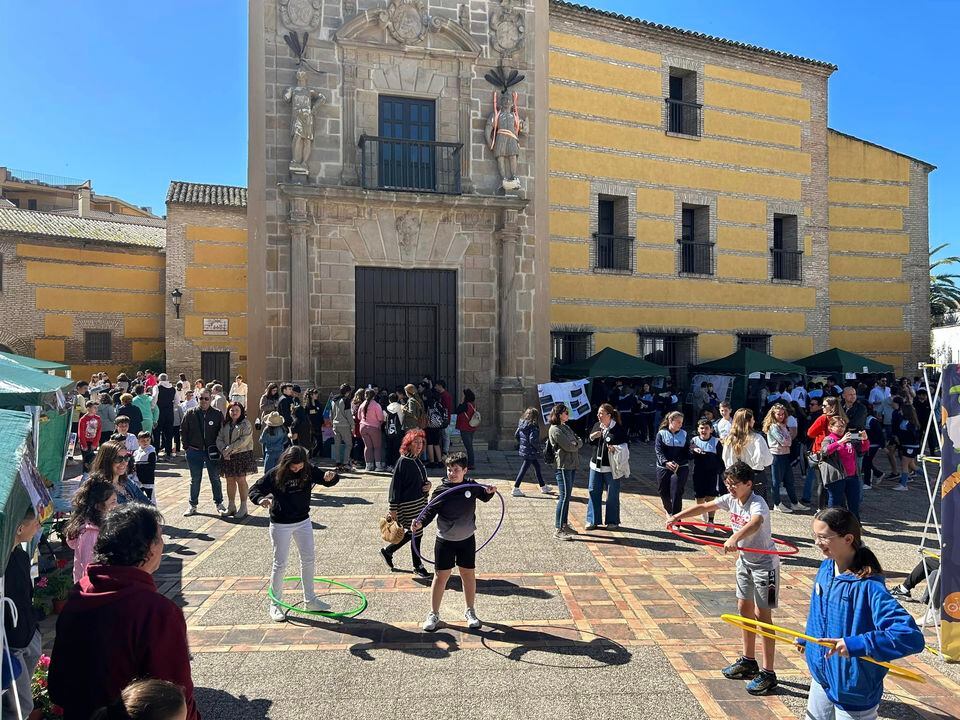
756 341
787 255
696 250
673 351
570 347
408 162
97 345
614 247
684 116
31 204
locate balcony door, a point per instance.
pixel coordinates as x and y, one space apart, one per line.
408 163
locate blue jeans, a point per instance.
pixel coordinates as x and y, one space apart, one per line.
467 439
564 492
196 459
782 475
819 707
808 484
600 481
526 465
847 493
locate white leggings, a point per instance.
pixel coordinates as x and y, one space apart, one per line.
302 534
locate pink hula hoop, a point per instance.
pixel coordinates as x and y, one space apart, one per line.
674 528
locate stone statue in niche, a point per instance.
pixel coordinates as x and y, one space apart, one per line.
301 14
303 101
408 231
506 28
504 127
407 21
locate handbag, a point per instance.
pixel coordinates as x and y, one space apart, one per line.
390 530
213 453
474 420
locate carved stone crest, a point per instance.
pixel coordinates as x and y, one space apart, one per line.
408 231
407 21
301 14
507 28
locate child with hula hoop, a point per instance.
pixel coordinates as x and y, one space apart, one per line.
285 492
851 608
757 574
456 538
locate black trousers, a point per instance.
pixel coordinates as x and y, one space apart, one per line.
671 485
163 434
647 430
407 536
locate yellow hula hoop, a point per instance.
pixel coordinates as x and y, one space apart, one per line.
930 553
775 632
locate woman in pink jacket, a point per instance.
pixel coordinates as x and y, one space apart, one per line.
370 415
845 445
94 499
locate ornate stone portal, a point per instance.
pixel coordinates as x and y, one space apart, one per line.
303 101
407 21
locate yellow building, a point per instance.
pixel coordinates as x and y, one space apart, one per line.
698 203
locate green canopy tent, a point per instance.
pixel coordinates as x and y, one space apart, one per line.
744 363
15 433
842 362
49 399
45 366
611 363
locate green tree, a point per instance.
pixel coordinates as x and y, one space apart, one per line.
944 291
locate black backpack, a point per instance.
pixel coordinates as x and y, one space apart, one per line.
393 424
549 452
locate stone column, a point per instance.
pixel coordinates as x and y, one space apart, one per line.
299 293
350 174
466 180
508 388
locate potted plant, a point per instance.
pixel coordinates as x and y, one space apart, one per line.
59 586
43 707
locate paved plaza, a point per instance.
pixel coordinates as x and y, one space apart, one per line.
611 625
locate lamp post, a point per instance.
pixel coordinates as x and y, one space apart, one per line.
176 295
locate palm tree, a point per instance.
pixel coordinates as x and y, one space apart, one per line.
944 291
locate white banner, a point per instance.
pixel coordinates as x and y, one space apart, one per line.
573 394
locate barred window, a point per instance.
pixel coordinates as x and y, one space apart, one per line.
614 247
570 347
98 345
675 352
696 250
786 251
754 341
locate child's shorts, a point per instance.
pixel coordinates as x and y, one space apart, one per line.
761 587
459 553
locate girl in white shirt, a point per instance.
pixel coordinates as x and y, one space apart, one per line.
742 444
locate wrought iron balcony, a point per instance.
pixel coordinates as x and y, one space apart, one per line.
614 252
696 258
409 165
684 118
787 264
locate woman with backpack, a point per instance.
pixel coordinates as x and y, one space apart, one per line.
437 420
528 436
468 420
563 450
371 420
393 431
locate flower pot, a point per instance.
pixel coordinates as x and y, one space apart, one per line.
58 606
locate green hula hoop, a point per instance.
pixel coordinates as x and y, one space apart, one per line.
353 612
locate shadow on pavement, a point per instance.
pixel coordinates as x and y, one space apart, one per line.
602 651
215 704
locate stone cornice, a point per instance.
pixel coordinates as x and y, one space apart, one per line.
405 199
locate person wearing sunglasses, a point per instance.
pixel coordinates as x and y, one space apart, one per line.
198 432
110 465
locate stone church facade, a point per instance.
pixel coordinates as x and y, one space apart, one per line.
396 242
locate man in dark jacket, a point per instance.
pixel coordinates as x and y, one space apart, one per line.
856 410
116 627
285 404
165 395
198 431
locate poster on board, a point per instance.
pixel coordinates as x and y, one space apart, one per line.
950 514
573 394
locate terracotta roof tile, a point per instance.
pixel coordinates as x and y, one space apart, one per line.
31 222
203 194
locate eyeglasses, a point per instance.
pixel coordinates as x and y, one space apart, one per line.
823 538
205 397
120 459
732 485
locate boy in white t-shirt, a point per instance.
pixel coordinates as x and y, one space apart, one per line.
757 573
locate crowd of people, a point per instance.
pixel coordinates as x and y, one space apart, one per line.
827 436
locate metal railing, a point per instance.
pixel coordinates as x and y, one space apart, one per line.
29 176
787 264
696 258
614 252
684 118
410 165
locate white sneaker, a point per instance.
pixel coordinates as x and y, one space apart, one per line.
191 511
867 487
381 468
899 488
517 492
802 505
316 605
473 622
370 467
241 512
784 508
710 530
276 613
932 617
546 490
222 509
431 623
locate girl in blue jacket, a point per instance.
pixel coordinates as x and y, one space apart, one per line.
851 608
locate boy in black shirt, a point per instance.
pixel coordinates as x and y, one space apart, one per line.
456 539
23 637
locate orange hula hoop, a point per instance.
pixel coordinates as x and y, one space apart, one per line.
775 632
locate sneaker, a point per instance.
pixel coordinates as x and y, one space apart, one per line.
422 573
388 468
867 487
590 527
517 492
473 622
222 509
387 558
231 510
276 613
899 488
613 526
763 683
784 508
568 530
801 505
546 489
561 535
932 617
431 623
710 530
370 467
241 512
381 468
899 591
742 669
191 511
316 605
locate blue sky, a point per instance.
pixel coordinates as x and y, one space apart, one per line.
134 94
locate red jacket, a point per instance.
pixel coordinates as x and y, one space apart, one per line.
114 629
84 429
818 431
